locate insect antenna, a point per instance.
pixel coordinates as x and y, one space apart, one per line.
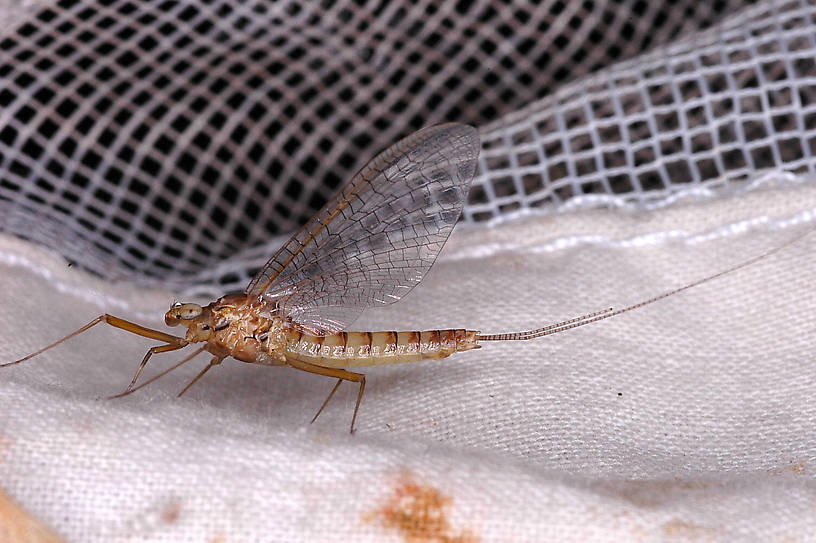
610 312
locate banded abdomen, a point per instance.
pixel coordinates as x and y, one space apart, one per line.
348 349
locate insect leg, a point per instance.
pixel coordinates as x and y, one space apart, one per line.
160 375
150 352
326 401
214 362
127 326
340 374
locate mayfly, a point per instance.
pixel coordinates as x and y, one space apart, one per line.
370 245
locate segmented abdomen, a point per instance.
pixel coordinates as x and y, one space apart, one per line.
347 349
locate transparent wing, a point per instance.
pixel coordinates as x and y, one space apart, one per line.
374 241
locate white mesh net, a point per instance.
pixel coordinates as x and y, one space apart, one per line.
152 141
170 146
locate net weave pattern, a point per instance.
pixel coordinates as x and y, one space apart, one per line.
167 142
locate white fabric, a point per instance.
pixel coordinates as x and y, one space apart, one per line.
692 418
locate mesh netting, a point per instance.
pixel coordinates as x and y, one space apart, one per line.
164 141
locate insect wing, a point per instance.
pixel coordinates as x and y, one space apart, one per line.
375 240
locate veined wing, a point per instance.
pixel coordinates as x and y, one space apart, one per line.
375 240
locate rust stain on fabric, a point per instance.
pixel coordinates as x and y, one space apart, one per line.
687 530
171 512
419 513
799 468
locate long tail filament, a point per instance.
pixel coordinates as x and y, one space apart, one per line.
606 313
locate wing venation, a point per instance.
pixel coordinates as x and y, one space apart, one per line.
378 237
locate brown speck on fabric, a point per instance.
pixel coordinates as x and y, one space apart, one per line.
419 513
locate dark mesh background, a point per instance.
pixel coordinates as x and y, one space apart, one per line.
155 139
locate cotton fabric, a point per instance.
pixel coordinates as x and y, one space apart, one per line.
692 418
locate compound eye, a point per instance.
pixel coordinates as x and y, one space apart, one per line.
188 311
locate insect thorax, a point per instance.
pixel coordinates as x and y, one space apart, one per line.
242 329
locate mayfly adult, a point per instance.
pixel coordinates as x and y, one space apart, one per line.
370 245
